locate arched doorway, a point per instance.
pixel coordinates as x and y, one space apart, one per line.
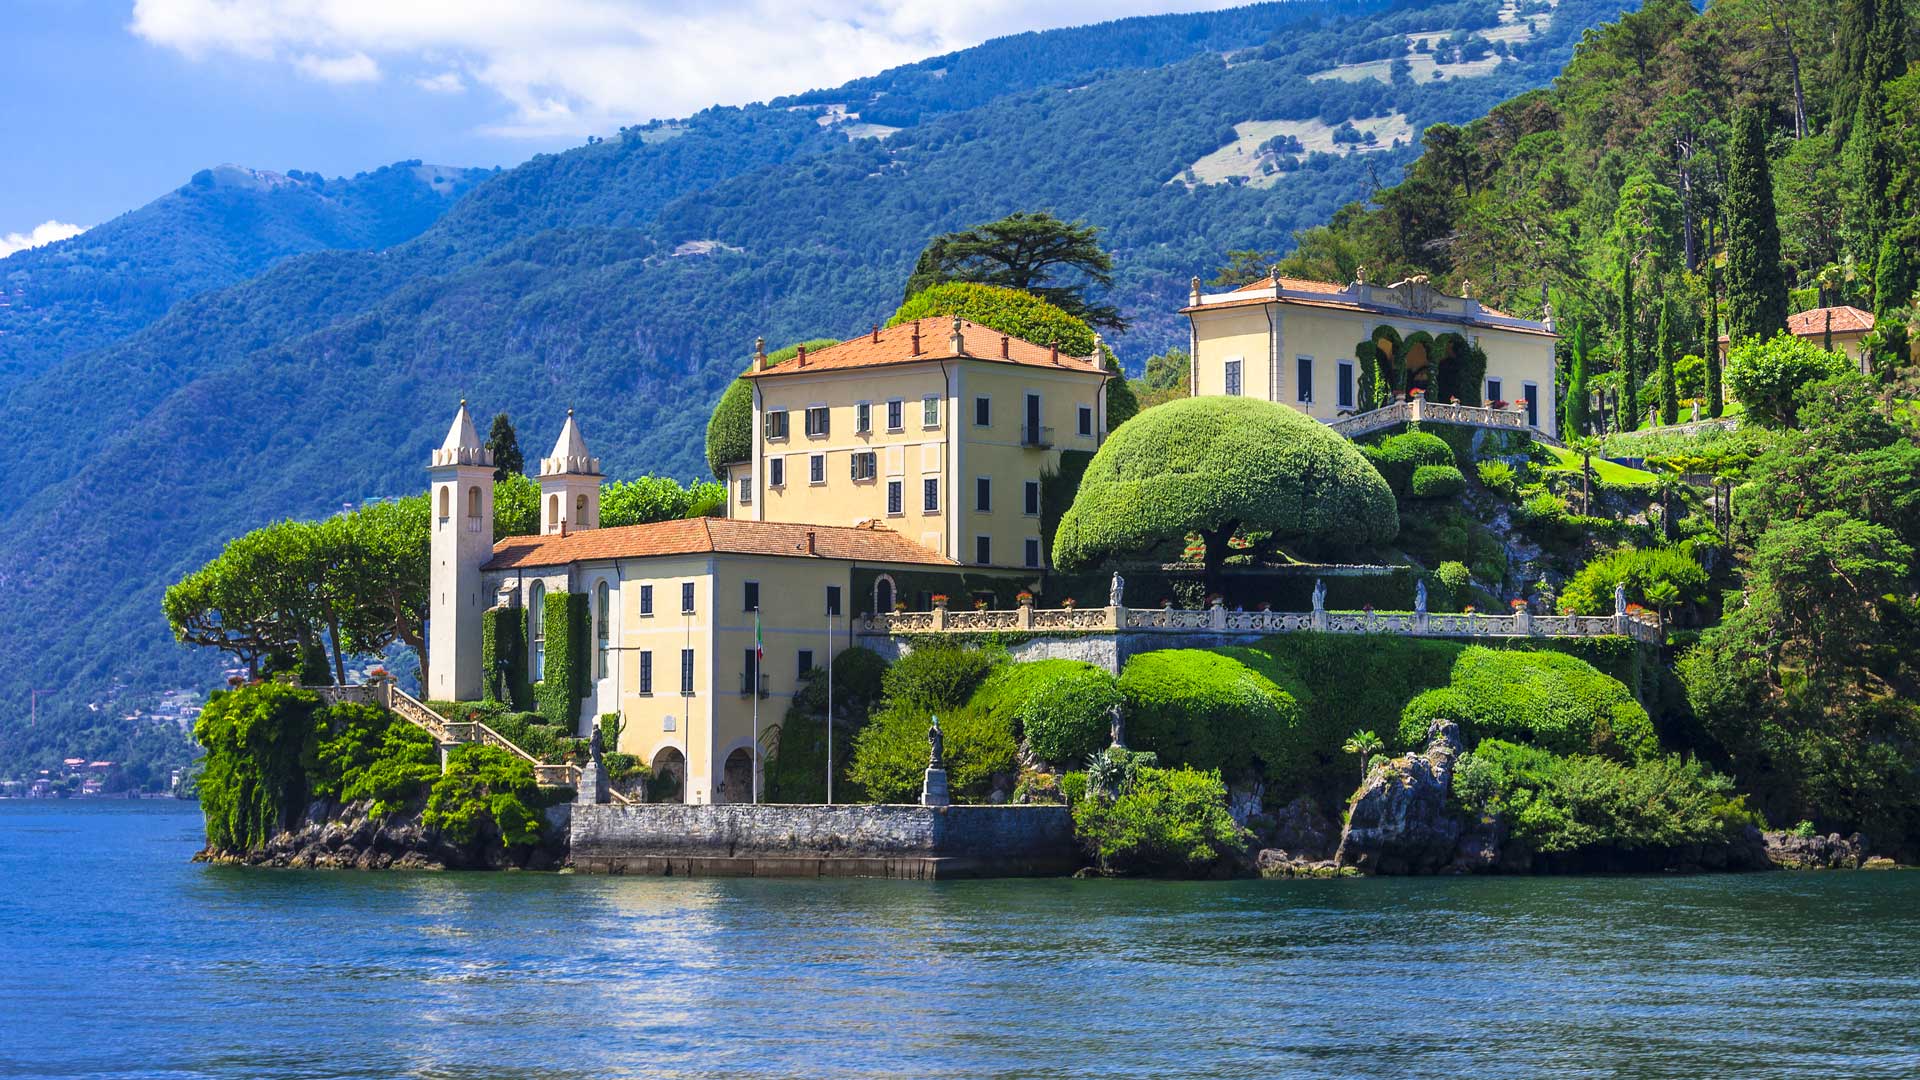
1420 371
669 783
736 777
883 595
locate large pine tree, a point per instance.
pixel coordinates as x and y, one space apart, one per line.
1756 284
505 444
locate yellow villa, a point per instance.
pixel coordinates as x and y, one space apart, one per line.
875 463
1300 343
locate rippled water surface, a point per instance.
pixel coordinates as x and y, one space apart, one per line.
120 958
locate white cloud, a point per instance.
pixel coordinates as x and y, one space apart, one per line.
447 82
351 68
42 234
578 66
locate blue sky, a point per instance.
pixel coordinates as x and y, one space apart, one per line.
106 105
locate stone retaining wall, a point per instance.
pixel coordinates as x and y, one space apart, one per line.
777 840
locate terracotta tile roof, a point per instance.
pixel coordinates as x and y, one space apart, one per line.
700 536
894 345
1334 301
1292 284
1813 324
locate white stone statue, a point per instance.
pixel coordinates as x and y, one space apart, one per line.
1620 599
1116 592
1319 595
1420 596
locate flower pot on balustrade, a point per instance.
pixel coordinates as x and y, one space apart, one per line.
1026 610
939 612
1217 614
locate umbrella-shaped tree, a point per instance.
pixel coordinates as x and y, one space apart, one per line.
1213 465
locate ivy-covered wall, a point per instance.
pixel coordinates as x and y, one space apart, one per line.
558 695
503 636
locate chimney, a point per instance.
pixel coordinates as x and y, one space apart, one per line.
916 339
1005 347
759 354
801 356
1096 359
1193 290
812 547
1055 350
876 333
957 344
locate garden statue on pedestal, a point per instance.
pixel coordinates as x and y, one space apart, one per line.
1117 590
1319 595
1420 597
1117 726
1620 599
933 791
593 775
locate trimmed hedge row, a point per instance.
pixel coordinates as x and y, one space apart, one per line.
1398 457
1209 710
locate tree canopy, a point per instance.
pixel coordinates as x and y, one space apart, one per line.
1213 466
1033 252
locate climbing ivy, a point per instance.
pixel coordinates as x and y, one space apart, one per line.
558 694
258 739
503 635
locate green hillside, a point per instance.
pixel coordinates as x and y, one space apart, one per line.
222 226
627 278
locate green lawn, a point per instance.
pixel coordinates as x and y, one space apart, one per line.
1609 471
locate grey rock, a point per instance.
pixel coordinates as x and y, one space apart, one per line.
1399 821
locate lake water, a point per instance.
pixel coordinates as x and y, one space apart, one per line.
120 958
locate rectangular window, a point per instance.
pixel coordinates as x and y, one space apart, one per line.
983 550
646 671
686 598
1233 378
816 468
983 494
749 672
929 412
646 599
1493 391
1304 378
816 421
746 491
1086 421
750 596
865 465
863 418
893 498
1033 552
804 662
686 672
930 495
776 472
1032 508
894 420
1532 394
1344 391
833 599
777 424
983 411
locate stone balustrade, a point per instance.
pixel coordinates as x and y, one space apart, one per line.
1419 409
1218 620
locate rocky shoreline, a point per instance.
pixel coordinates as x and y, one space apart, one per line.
1402 822
346 836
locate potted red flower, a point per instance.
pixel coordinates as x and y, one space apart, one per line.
1023 598
979 605
1067 603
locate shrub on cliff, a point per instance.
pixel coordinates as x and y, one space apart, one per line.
369 753
1590 592
1208 711
487 795
1436 482
1398 457
1558 803
940 676
1164 822
1546 699
258 740
890 753
1764 376
1062 707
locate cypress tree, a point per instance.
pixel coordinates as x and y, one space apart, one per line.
1756 287
505 444
1577 384
1629 350
1896 278
1713 341
1669 386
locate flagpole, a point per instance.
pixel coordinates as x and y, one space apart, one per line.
829 706
754 689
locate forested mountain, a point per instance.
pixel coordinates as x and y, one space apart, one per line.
222 226
627 279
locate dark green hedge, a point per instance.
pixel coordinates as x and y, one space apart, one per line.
1547 699
1061 706
569 660
1210 711
1397 457
1436 482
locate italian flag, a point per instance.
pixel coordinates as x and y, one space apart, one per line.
759 645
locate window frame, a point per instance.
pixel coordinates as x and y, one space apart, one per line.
1232 378
603 626
749 596
872 460
1344 385
1086 421
686 672
1033 556
802 663
746 491
896 497
776 470
776 418
833 600
646 673
1495 390
930 406
646 600
982 407
688 601
1303 378
929 494
983 494
816 469
863 418
982 549
825 417
1030 499
896 414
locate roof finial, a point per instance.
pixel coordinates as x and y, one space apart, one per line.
759 354
957 344
1193 289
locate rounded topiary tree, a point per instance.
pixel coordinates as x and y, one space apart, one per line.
730 428
1547 699
1436 482
1212 465
1027 317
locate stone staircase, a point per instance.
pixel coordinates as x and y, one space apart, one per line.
1420 410
450 733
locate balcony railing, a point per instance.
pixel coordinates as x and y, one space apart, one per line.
1036 436
746 685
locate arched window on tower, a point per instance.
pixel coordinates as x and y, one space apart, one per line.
553 513
473 502
602 625
580 512
537 628
446 502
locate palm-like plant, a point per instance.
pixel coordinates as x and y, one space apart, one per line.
1365 744
1586 446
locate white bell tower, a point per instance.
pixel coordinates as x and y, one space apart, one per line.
462 518
569 484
